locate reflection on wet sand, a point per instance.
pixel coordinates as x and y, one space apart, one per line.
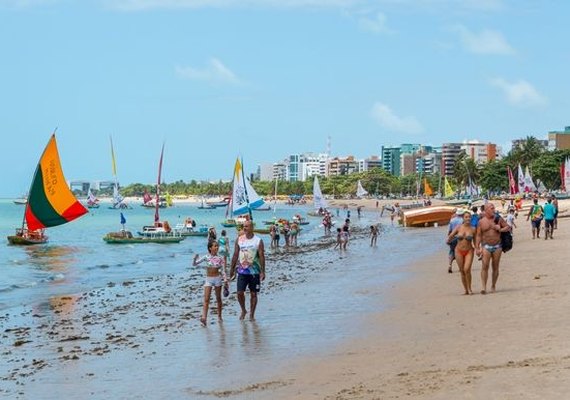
52 258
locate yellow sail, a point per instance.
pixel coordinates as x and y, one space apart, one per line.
448 190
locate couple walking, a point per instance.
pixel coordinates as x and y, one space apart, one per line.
248 263
483 240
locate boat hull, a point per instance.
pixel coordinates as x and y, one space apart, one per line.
428 216
23 241
114 238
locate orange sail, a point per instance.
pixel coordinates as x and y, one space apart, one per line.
428 191
50 201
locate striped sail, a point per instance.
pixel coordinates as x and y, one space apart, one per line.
244 197
50 201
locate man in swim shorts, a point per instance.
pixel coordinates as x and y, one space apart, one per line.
249 257
488 244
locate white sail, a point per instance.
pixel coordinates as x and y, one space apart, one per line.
318 199
91 199
567 174
360 191
244 197
528 183
520 179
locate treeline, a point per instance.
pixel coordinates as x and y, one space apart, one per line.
491 177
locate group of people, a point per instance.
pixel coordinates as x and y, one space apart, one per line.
477 232
289 230
247 265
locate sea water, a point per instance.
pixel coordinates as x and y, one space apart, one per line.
76 259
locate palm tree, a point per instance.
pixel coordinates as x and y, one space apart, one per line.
529 150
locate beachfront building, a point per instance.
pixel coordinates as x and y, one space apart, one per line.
341 166
264 172
391 160
280 171
369 163
479 152
430 163
449 153
311 164
559 140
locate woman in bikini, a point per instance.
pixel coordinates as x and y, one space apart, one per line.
465 234
215 277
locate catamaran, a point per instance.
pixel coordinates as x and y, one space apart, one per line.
50 201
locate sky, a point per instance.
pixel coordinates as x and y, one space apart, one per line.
262 79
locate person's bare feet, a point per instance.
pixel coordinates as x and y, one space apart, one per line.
203 321
483 291
493 290
242 316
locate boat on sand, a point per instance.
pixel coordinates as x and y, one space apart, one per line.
427 216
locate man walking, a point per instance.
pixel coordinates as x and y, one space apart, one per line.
549 214
488 244
249 257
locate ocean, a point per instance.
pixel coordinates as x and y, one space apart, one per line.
76 259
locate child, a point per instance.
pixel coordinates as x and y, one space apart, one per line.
511 219
373 235
344 237
215 277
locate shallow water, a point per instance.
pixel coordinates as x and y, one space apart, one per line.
76 259
310 303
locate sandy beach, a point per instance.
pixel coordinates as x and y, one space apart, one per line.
409 333
434 343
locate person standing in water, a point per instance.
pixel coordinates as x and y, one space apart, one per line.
373 235
249 258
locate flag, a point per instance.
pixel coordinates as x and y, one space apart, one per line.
567 174
123 219
529 186
512 184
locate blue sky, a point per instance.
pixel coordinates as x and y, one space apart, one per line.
263 79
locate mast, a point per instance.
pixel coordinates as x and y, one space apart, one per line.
156 205
245 191
275 197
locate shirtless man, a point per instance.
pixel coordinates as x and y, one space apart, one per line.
488 244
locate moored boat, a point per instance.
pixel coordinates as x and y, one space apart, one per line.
427 216
50 201
126 237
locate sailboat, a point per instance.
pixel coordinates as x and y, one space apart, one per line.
244 198
319 202
360 191
118 200
50 201
92 201
159 228
205 206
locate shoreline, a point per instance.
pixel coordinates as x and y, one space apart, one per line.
435 343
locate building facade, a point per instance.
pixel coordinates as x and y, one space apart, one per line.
559 140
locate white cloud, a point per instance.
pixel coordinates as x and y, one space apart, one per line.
384 115
485 42
215 71
377 24
521 93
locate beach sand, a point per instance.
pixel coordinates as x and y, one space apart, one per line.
425 340
435 343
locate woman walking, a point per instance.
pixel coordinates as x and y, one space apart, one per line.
464 250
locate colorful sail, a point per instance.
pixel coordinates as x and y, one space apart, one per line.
428 191
529 185
91 199
50 201
146 197
318 199
448 191
520 179
566 180
244 197
512 185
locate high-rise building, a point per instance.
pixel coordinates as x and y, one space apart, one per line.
449 153
391 160
559 140
341 166
367 164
